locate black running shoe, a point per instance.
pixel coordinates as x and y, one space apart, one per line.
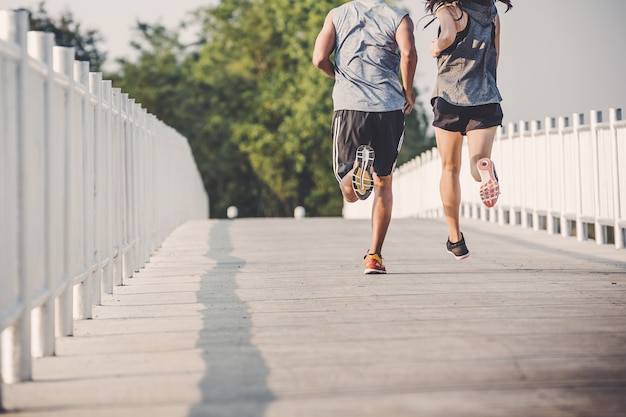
458 249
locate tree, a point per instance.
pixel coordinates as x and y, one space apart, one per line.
68 32
237 78
285 105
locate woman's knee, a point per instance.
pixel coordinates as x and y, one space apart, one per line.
450 167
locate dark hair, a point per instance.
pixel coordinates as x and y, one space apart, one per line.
431 5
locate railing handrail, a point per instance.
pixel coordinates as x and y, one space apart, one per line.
561 176
91 184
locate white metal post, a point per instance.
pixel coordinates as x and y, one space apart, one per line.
43 327
135 168
618 232
82 288
127 179
494 213
134 202
534 129
125 184
527 166
513 179
600 230
95 89
108 198
117 174
9 298
152 203
566 229
16 340
581 230
11 304
63 63
144 216
548 127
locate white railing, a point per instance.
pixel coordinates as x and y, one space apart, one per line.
562 175
90 185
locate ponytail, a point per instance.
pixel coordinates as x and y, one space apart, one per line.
433 5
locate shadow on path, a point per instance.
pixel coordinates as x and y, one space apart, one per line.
235 381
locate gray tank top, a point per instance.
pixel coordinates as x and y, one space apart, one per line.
367 58
467 72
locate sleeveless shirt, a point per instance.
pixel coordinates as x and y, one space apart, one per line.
467 72
367 58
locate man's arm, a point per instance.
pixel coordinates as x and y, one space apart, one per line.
324 47
408 60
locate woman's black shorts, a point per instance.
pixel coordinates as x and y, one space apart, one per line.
465 118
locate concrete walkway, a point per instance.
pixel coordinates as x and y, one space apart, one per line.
273 317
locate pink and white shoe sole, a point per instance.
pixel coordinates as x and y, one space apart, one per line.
490 188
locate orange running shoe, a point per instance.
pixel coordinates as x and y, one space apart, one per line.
374 264
490 188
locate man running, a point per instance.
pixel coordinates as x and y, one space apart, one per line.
372 43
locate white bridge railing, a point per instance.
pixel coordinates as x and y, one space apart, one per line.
90 185
562 175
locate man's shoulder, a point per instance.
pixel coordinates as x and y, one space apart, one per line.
346 5
394 11
398 11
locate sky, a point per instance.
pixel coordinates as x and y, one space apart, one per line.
559 57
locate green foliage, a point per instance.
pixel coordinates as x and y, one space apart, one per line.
269 75
255 110
68 32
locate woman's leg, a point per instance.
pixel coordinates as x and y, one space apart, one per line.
449 145
480 142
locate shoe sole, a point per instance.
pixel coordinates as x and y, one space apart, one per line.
362 180
490 188
370 271
458 258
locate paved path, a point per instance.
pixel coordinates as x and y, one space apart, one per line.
273 317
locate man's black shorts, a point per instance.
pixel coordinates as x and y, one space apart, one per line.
383 131
463 119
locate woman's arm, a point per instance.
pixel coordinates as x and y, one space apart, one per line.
447 25
496 40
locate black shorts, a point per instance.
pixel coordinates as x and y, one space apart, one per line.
463 119
383 131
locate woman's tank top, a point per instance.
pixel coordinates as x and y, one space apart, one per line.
466 71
